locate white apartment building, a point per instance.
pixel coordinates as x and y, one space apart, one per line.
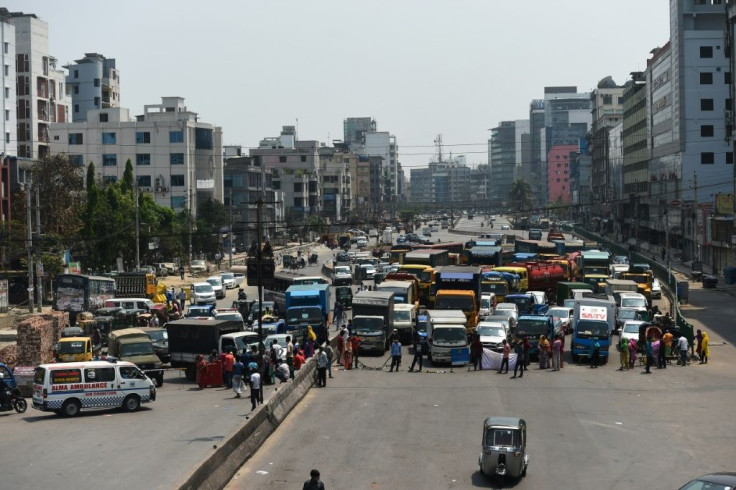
8 108
93 82
175 157
41 95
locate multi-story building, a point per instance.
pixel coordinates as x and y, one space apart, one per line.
635 205
93 82
531 168
175 156
420 185
246 181
607 112
336 163
41 96
558 173
442 183
502 154
8 99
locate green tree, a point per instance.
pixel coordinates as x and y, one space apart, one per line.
520 195
60 186
126 183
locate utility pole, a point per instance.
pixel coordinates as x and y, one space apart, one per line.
230 229
189 221
29 235
137 227
259 264
39 267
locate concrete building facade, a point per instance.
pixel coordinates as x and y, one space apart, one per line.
92 82
558 174
502 151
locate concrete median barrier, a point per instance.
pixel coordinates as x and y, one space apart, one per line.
217 469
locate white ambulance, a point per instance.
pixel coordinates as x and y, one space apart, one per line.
66 388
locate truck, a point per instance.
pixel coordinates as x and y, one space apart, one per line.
405 318
527 303
593 319
405 292
459 287
594 267
191 337
308 305
534 326
135 345
446 335
643 279
565 290
373 318
614 287
135 285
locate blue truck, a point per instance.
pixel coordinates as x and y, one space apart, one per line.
308 305
534 326
593 319
527 304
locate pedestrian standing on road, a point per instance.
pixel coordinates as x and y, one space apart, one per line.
394 336
623 353
322 367
201 366
311 339
395 355
238 384
347 354
350 326
682 345
256 393
338 318
341 348
290 356
562 351
595 354
181 272
648 353
556 354
476 353
330 353
704 349
520 348
355 348
699 343
633 349
661 358
418 352
227 368
667 339
313 483
544 351
182 298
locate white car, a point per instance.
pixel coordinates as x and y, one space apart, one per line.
491 335
508 306
361 242
540 297
342 276
565 316
368 271
505 227
656 289
203 293
216 283
631 330
228 280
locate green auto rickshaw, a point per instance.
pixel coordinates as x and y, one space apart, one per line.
344 295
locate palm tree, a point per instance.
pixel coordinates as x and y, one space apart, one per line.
520 195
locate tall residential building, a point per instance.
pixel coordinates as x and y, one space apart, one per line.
8 104
442 183
336 168
531 168
502 152
420 185
607 112
355 128
635 204
363 138
175 156
41 96
93 83
558 173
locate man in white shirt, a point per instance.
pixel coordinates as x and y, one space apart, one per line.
255 385
278 350
683 345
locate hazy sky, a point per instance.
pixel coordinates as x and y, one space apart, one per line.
418 67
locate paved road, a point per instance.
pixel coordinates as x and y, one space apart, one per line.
152 448
373 429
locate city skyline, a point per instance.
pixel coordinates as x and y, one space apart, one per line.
439 76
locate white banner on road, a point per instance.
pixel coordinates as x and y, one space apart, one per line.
492 360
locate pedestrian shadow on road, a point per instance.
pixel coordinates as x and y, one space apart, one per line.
483 481
203 439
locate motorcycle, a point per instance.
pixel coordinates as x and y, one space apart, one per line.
15 401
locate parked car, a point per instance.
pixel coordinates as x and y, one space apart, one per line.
492 335
228 280
565 316
712 481
630 329
216 283
197 267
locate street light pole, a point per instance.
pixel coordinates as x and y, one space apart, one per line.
137 228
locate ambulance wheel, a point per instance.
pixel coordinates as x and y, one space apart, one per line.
71 408
131 403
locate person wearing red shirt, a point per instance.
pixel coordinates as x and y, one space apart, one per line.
298 360
228 369
355 344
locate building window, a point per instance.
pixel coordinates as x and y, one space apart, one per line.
76 107
304 158
97 82
5 48
76 139
607 99
728 105
109 160
7 70
7 115
729 157
97 102
7 93
176 158
707 158
706 78
77 160
144 181
706 130
76 89
109 138
143 159
706 51
706 104
103 117
177 181
76 73
202 139
109 179
142 137
178 202
176 136
727 78
282 159
7 137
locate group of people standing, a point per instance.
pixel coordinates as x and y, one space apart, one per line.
348 346
664 349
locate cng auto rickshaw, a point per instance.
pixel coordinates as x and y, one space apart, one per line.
504 447
344 295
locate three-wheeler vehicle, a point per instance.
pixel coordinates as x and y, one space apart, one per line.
504 448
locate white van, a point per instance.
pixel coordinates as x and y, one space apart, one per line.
203 293
130 303
66 388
